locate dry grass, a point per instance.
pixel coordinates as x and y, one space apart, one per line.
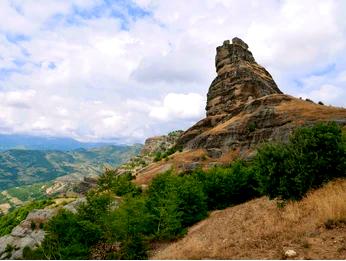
300 109
329 203
144 177
259 229
179 160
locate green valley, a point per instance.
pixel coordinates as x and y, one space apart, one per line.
25 167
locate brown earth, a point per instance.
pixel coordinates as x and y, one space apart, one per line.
314 227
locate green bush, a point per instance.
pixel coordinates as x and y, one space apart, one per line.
37 254
312 157
68 237
226 186
129 224
176 202
12 219
119 184
97 207
163 203
157 156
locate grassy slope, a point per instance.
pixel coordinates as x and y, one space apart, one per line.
259 229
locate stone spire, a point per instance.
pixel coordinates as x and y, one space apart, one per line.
232 53
239 79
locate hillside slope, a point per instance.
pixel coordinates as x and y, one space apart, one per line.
22 167
315 228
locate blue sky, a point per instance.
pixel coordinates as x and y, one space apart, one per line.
102 70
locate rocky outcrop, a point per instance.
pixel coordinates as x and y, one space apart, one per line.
245 107
160 143
26 234
239 79
30 233
154 147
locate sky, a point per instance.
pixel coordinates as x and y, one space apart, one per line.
103 70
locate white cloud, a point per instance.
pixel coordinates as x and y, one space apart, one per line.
328 93
179 106
329 88
107 72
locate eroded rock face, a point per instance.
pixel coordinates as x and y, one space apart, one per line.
25 234
29 232
245 107
239 79
160 143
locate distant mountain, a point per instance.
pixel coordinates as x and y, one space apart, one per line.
18 141
21 167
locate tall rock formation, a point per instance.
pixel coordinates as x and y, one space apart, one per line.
245 107
239 79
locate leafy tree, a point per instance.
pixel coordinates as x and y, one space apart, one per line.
312 157
192 200
119 184
163 203
129 224
68 237
98 205
225 186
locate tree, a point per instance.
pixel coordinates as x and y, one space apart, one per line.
68 237
129 224
119 184
312 157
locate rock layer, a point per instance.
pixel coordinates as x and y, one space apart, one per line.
239 79
245 107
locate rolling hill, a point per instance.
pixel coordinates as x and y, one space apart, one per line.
24 167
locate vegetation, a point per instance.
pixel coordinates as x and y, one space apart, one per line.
12 219
164 155
24 167
226 186
172 202
163 212
120 185
29 192
312 157
3 199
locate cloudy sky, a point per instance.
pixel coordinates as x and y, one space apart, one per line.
103 70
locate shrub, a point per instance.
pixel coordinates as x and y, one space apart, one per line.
157 156
252 127
12 219
32 225
119 184
163 204
29 254
227 186
68 237
192 200
97 207
176 202
129 224
312 157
